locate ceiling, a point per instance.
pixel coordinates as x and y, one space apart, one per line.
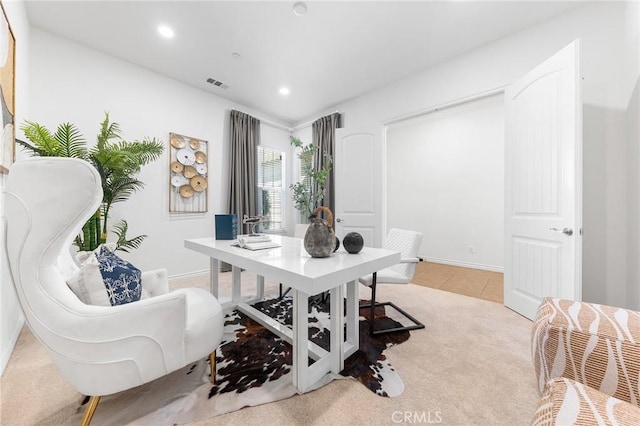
334 52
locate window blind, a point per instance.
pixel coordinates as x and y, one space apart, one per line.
271 188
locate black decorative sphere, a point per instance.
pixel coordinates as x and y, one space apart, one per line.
337 245
353 242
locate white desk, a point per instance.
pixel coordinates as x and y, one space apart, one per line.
292 266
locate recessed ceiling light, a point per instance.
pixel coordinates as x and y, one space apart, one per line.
299 8
284 91
165 31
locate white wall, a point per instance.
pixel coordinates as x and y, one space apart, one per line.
633 154
77 84
11 319
450 164
604 206
608 80
633 198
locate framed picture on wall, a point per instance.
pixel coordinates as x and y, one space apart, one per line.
188 171
7 89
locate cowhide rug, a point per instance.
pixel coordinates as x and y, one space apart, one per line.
254 356
254 368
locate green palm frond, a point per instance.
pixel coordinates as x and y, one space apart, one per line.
32 148
124 244
110 160
144 151
133 243
121 188
107 131
43 142
71 142
98 166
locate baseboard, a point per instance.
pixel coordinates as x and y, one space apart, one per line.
8 348
465 264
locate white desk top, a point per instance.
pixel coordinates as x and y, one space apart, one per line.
292 266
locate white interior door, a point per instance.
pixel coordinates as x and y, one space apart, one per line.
358 185
543 189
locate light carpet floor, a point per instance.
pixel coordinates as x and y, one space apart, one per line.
471 365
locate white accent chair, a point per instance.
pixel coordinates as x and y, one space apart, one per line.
99 350
408 244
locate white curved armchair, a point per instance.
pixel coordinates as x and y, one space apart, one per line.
408 244
99 350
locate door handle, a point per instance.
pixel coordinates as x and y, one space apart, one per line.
566 231
338 220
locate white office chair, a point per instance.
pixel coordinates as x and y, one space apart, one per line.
408 244
99 350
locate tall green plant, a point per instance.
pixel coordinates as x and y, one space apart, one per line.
309 192
117 161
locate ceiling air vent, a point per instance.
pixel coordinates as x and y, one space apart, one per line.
217 83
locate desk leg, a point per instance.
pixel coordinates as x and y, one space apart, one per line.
213 276
236 285
260 287
300 345
353 315
337 330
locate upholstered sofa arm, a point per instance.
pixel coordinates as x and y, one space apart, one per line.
567 402
155 282
595 345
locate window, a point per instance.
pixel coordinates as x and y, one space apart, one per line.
271 188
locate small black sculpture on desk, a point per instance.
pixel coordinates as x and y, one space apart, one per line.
254 221
353 242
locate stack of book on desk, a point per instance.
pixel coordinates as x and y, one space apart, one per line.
256 242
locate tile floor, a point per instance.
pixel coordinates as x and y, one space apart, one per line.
477 283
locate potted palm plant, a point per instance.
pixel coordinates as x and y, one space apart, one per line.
117 161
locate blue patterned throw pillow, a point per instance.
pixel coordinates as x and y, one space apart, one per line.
121 278
105 279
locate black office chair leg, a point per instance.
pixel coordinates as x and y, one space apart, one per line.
415 326
372 307
285 293
373 303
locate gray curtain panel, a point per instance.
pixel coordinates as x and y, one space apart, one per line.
243 193
324 135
